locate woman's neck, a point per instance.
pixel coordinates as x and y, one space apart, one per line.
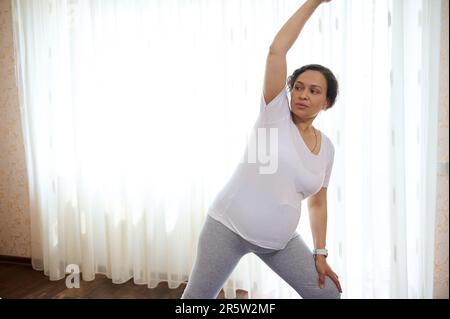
304 125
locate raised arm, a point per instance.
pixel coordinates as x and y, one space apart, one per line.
276 69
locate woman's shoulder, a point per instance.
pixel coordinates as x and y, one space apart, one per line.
277 109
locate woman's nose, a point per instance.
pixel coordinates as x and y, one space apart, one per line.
303 94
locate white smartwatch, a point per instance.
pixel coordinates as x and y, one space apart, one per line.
320 251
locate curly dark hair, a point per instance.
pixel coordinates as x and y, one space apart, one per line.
332 83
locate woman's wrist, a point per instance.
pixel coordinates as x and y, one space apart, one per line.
320 258
317 2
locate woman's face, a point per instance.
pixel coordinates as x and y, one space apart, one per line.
309 94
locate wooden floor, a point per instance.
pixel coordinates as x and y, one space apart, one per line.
21 281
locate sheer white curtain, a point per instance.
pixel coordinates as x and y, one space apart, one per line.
135 113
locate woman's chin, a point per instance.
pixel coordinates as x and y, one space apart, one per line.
298 112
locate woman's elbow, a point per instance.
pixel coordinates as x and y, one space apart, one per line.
276 49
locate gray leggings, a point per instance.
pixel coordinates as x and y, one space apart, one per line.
220 249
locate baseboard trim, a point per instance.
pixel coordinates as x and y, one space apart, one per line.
15 260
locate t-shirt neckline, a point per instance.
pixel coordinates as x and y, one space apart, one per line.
302 141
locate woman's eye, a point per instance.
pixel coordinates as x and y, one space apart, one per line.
312 91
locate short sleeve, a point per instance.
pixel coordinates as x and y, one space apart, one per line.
277 109
329 167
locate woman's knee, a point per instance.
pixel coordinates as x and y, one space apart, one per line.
330 291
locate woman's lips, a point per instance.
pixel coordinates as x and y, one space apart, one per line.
301 105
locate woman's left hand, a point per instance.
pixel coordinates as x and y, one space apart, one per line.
325 270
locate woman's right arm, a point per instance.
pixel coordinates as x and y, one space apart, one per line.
276 68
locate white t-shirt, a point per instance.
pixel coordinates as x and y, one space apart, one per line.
262 200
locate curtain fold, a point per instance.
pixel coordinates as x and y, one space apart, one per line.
135 113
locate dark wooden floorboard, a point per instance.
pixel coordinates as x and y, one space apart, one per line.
18 281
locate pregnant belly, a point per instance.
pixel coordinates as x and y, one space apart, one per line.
262 221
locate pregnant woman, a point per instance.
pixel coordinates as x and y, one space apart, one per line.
258 210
